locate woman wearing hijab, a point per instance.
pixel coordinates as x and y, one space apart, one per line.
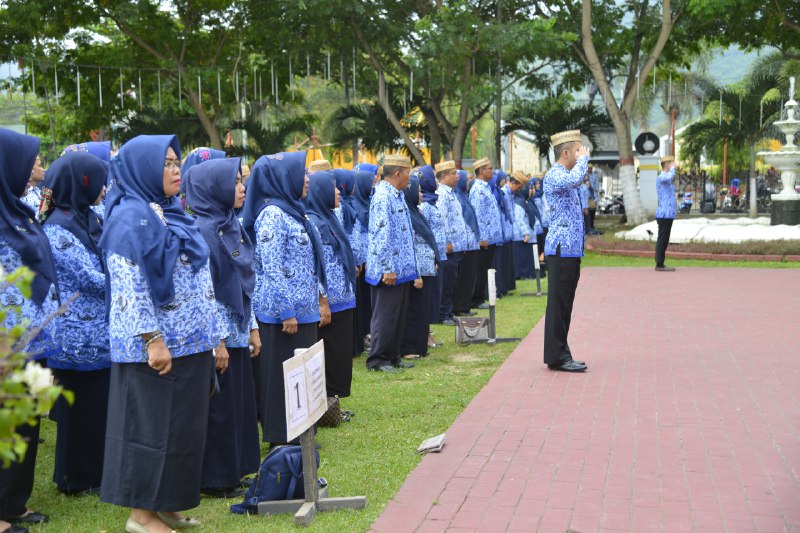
468 268
544 216
163 327
23 243
364 181
73 184
420 309
195 157
429 210
213 193
522 233
102 151
346 213
503 261
340 271
290 296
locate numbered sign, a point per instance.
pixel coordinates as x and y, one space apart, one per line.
304 389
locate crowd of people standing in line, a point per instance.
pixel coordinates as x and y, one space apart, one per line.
192 286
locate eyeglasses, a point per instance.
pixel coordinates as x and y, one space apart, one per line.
172 163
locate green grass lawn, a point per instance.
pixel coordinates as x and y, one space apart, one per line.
372 454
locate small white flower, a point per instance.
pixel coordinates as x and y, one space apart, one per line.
35 377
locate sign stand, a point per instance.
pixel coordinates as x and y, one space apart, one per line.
537 266
306 402
493 339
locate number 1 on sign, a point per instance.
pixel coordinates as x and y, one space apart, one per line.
297 391
298 406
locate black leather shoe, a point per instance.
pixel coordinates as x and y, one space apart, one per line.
569 366
31 517
448 322
469 313
484 305
233 492
384 368
663 268
403 364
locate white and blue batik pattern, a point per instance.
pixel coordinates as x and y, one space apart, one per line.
391 238
521 225
361 237
666 194
33 198
99 210
355 237
566 216
435 221
455 228
584 190
287 284
341 292
233 336
426 258
544 210
43 345
508 223
487 211
83 332
189 323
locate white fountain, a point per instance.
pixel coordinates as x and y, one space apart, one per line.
786 204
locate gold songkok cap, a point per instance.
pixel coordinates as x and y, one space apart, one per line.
397 161
446 165
537 175
520 177
571 136
481 163
667 159
319 165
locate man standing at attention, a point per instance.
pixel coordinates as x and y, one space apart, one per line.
563 247
491 232
391 265
665 212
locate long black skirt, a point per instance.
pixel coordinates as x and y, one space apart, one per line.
156 434
81 430
419 317
364 304
232 445
358 323
436 296
523 259
277 347
338 353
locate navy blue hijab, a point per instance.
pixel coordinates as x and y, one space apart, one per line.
132 227
195 157
71 185
17 156
320 204
278 180
466 207
418 222
361 195
211 192
346 182
427 182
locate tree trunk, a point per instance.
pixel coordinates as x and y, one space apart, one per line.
436 137
627 174
209 125
753 186
458 146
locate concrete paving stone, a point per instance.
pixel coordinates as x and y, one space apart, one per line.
674 427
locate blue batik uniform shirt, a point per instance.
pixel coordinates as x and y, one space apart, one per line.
561 190
435 221
83 332
508 222
487 211
391 239
666 194
454 227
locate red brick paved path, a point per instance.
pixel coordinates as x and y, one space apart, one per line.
687 420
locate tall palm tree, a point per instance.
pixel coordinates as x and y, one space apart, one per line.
747 115
554 113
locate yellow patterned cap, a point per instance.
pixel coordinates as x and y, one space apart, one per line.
319 165
520 177
481 163
397 161
667 159
571 136
446 165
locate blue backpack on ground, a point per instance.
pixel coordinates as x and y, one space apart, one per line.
280 477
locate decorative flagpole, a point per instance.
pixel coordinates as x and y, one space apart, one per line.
121 101
180 88
100 86
78 83
219 88
308 73
139 89
199 92
55 71
291 76
159 89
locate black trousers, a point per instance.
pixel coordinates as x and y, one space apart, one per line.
465 282
563 274
664 229
338 353
389 309
364 303
448 270
485 258
592 213
16 481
